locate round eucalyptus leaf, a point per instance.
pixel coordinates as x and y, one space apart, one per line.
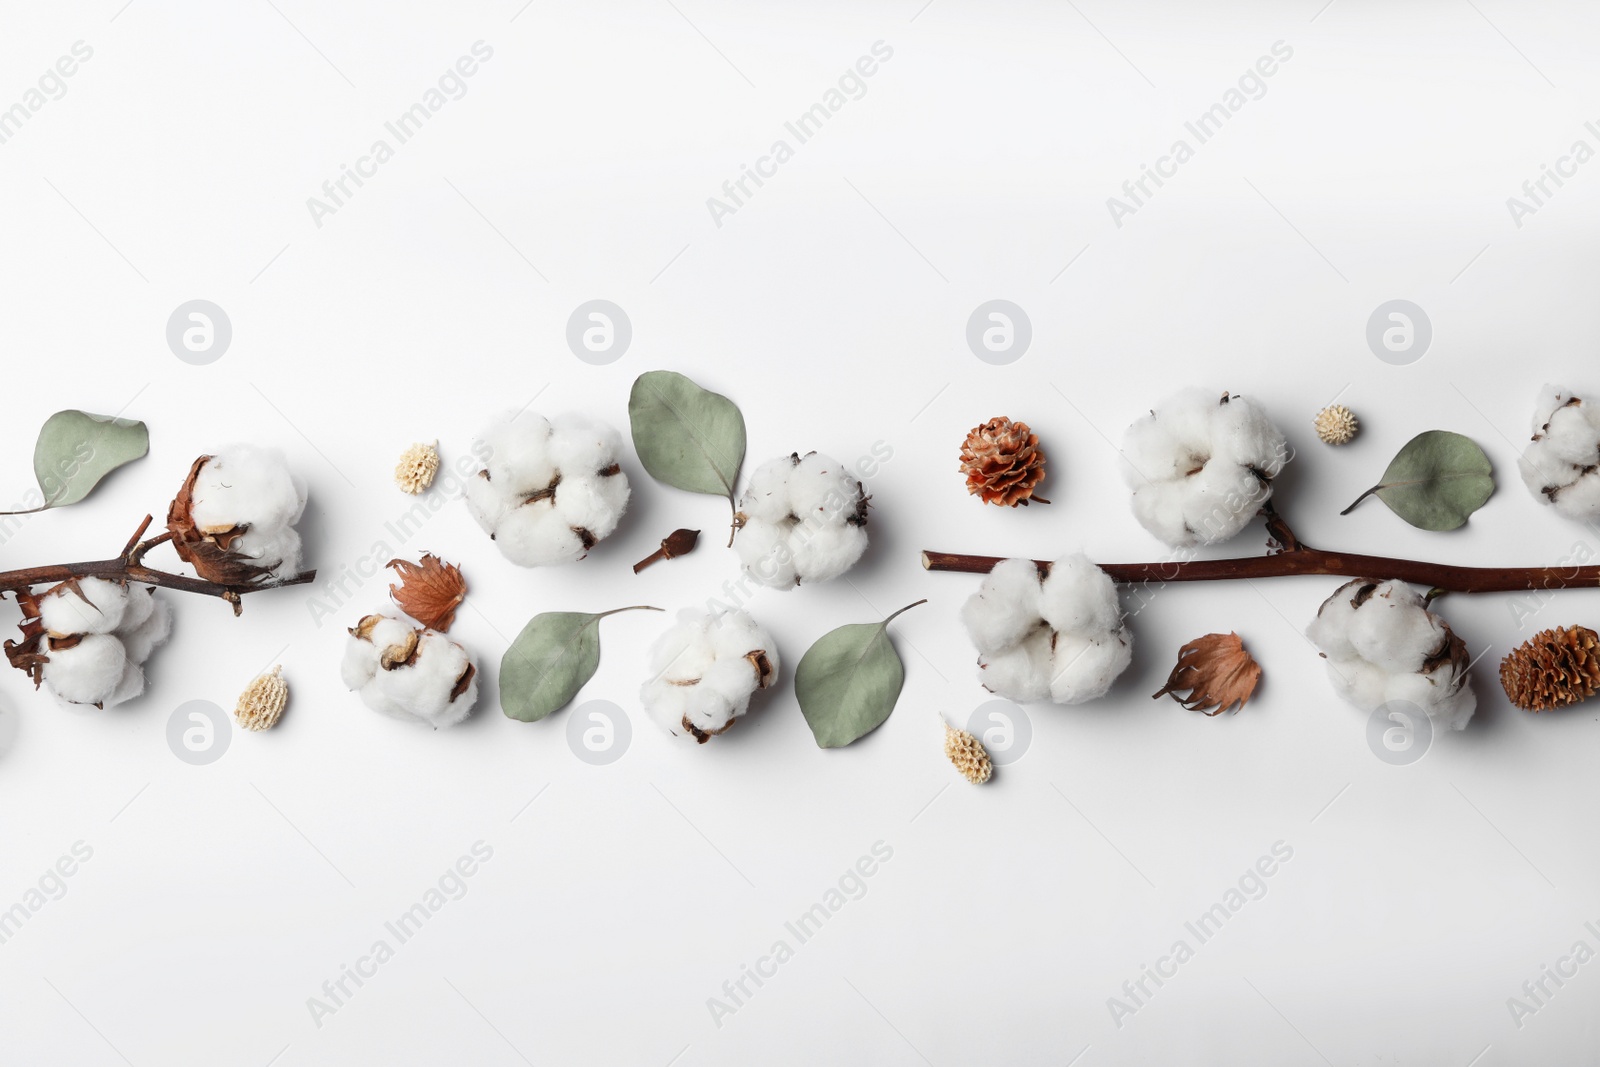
688 437
551 659
76 450
1436 481
847 683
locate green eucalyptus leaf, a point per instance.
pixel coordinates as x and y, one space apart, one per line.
76 449
847 683
686 436
1436 481
551 659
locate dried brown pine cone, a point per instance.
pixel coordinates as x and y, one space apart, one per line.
1553 669
1003 463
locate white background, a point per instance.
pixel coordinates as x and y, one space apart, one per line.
832 308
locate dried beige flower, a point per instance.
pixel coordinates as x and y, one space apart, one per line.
1336 425
262 702
417 466
966 752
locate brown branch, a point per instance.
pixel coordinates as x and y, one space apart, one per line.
1297 558
129 567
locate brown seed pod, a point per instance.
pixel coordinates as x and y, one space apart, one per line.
1553 669
1003 463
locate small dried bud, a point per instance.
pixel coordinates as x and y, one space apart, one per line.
263 701
417 466
1336 425
966 752
677 543
1216 672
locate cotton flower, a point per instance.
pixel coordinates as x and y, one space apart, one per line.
801 519
550 489
234 519
1562 465
1060 639
93 636
409 672
704 670
1382 644
1200 467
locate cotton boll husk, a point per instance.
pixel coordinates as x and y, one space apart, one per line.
766 498
519 453
99 610
533 535
88 672
592 502
579 445
142 638
1006 607
1083 668
1022 672
764 550
1077 597
823 554
820 488
243 485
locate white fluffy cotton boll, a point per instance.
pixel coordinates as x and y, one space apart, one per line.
801 519
1006 607
549 490
1382 644
1061 639
704 669
409 673
1078 598
1562 464
140 633
1083 668
1020 672
87 606
1200 465
424 691
86 671
244 485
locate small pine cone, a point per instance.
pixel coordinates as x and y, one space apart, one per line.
1003 463
415 471
262 702
1552 669
966 752
1336 425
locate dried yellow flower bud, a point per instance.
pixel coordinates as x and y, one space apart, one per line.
415 471
1336 424
966 752
262 702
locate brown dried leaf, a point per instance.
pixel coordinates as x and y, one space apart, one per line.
1216 672
429 591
